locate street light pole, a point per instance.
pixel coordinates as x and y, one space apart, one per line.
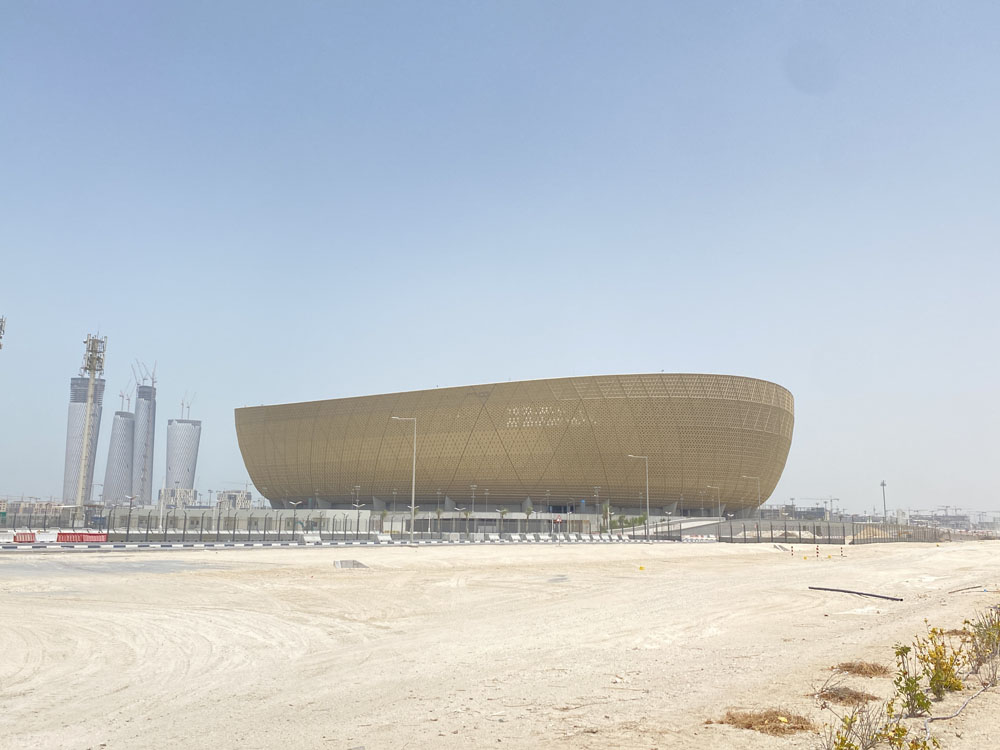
646 459
358 505
128 523
758 493
597 502
295 507
884 515
413 478
718 495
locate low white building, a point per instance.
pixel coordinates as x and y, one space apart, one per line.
178 498
234 499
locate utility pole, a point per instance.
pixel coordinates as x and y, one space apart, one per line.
93 365
885 517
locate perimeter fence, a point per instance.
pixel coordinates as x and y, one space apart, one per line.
152 525
145 524
833 532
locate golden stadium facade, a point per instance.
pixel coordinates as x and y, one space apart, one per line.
563 443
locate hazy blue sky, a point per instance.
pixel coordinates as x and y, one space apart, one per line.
301 200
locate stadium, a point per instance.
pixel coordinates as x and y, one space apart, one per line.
715 445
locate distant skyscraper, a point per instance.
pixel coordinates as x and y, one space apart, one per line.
118 475
142 446
183 438
75 427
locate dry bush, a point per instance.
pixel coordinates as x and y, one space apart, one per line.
845 696
833 690
769 721
863 669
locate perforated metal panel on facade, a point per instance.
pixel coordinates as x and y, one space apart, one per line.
525 439
118 474
75 425
183 439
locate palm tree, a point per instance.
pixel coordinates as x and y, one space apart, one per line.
438 512
467 513
502 512
528 510
382 515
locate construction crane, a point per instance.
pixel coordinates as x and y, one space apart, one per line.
186 404
126 397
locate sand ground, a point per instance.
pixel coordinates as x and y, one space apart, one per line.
457 647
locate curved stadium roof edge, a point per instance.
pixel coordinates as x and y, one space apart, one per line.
532 380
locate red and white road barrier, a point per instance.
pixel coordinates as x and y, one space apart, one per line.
67 536
44 537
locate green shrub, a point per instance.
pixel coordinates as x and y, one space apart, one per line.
939 661
907 682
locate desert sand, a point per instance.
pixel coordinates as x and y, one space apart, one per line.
515 646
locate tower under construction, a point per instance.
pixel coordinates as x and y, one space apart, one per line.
86 398
142 446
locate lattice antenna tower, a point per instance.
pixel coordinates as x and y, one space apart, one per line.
92 367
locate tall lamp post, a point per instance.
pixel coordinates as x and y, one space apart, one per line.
744 476
646 459
358 505
597 505
295 507
413 477
718 494
128 522
884 514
